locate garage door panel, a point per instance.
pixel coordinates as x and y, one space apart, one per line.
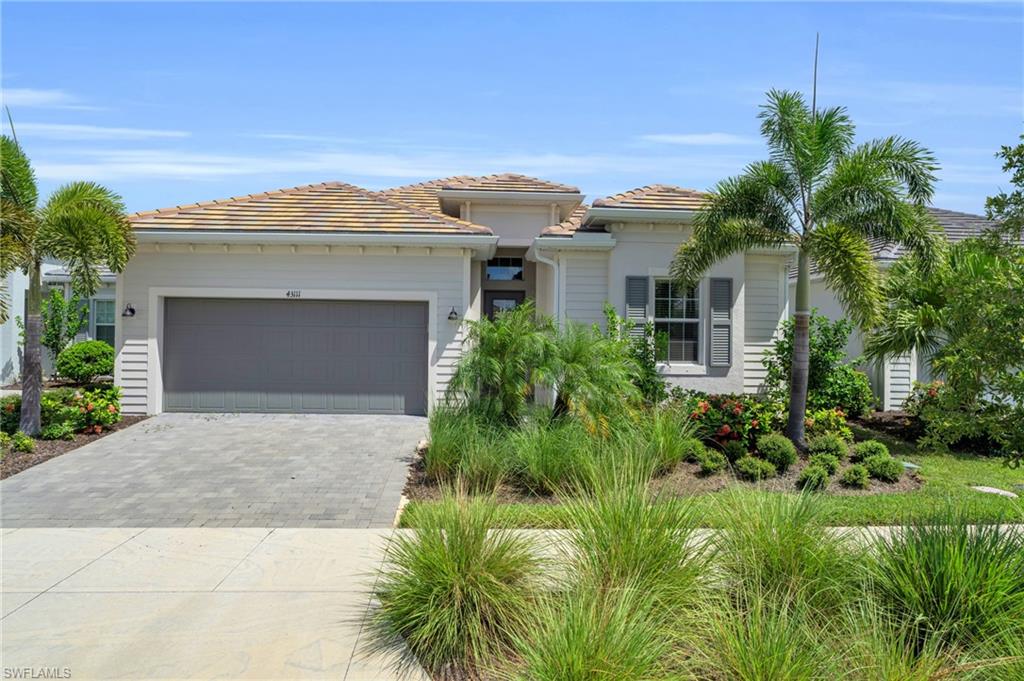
287 355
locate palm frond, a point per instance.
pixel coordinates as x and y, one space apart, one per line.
906 161
697 255
845 261
786 126
17 179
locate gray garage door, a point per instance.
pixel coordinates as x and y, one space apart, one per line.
295 356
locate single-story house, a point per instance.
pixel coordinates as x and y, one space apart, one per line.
893 379
333 298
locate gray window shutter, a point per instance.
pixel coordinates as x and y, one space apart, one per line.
636 303
720 354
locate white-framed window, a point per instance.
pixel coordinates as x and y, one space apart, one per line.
103 320
677 315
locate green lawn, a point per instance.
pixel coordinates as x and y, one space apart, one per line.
947 479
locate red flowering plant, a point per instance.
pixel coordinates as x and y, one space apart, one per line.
728 417
98 408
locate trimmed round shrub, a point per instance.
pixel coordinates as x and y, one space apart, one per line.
856 476
884 468
868 448
83 362
813 478
712 462
754 469
734 450
827 461
692 449
6 442
777 450
22 443
830 444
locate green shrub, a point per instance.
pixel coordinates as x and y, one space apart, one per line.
6 442
813 478
712 461
596 634
734 450
693 450
868 448
84 361
833 381
645 348
830 444
778 450
454 591
548 457
856 476
827 461
58 431
827 421
754 469
10 413
951 581
884 468
58 407
22 443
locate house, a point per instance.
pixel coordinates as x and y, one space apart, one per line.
893 379
333 298
100 325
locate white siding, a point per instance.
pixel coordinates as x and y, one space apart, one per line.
586 287
442 273
764 298
902 374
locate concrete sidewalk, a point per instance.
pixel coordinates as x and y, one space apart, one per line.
189 603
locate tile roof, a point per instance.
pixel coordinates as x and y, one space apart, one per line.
326 207
655 196
570 225
422 195
509 182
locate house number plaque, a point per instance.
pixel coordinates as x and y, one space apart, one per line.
294 293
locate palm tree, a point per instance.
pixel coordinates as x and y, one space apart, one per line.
82 224
827 197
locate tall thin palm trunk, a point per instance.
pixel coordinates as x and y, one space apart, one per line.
32 369
801 364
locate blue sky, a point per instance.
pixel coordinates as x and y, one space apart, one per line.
176 103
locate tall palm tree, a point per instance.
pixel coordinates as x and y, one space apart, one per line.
825 195
82 224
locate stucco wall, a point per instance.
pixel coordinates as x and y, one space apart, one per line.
443 274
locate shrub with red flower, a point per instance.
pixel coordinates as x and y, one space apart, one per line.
729 417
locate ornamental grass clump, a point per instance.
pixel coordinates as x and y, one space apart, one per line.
959 584
595 634
668 438
549 456
454 592
778 450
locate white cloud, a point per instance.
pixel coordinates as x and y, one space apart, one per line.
43 99
698 139
67 131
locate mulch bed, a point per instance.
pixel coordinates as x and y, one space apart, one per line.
48 384
685 480
896 424
16 462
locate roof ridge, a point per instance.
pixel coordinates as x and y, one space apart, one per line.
441 217
640 192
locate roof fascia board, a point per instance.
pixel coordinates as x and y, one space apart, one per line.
484 244
578 242
640 214
542 197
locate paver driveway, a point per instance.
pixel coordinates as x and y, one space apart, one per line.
224 470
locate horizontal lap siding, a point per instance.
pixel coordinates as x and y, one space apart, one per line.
900 381
442 274
586 288
764 304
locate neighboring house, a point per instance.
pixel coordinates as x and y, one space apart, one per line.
100 325
893 379
332 298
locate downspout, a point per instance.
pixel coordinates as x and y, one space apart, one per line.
554 268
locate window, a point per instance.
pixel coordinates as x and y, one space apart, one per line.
505 269
103 320
677 315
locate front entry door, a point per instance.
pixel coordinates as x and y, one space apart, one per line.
499 301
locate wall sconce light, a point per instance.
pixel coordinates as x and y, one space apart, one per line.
129 310
453 316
